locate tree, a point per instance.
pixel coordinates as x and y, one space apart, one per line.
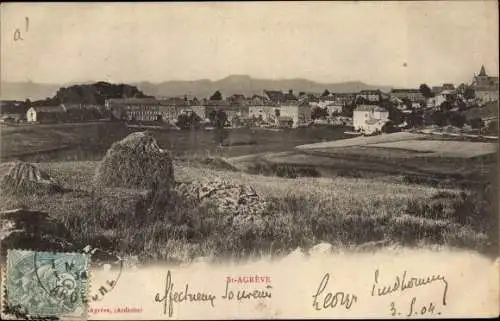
220 133
188 120
216 96
492 128
220 118
469 93
236 121
407 103
445 106
415 120
361 101
211 116
348 111
461 105
426 91
395 115
439 118
326 93
389 127
456 119
476 123
318 112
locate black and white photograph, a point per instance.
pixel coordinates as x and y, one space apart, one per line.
166 136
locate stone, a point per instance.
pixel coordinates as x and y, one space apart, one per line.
32 230
228 197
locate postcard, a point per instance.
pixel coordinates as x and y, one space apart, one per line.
255 160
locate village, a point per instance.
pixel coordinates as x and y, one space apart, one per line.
367 111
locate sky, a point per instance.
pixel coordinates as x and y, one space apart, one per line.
383 43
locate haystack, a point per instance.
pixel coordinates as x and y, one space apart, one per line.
136 162
20 178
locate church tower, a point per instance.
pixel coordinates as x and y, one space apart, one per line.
482 72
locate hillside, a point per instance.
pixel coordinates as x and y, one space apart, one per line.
200 88
248 86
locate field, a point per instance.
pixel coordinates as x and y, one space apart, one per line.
353 197
399 157
442 148
89 141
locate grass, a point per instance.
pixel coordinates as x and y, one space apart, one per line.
365 162
442 148
346 212
354 205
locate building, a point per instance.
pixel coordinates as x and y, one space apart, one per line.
279 97
147 109
237 99
12 110
334 109
274 96
46 114
370 95
299 113
284 122
485 87
486 94
437 100
344 99
256 100
448 86
264 113
413 95
369 118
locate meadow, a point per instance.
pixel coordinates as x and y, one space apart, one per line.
347 212
90 141
347 209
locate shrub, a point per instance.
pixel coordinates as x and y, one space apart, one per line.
283 170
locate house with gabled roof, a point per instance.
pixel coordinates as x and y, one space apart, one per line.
369 118
46 114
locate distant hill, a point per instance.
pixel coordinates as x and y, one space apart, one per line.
242 84
203 88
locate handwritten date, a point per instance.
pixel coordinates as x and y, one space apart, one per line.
415 309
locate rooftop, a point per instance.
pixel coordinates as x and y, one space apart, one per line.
49 109
405 90
370 108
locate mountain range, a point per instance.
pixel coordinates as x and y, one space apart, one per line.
203 88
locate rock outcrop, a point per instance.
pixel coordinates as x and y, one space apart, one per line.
241 203
32 230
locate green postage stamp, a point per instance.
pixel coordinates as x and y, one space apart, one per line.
46 284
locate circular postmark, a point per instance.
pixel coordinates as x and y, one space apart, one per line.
107 269
63 277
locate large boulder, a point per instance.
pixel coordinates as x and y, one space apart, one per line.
242 204
136 162
20 178
32 230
